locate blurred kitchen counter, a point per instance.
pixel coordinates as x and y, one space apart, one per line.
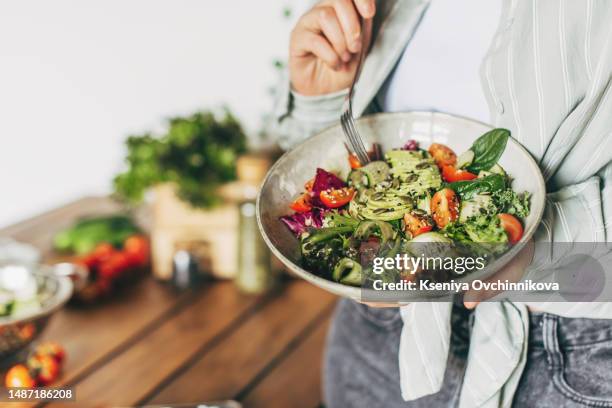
153 345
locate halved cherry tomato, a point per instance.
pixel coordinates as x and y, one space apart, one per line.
334 198
44 367
302 203
417 224
442 154
19 376
354 161
512 226
452 174
309 184
444 207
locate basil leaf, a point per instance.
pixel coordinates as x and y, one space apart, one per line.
489 184
487 149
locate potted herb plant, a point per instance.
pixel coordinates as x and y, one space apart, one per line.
184 167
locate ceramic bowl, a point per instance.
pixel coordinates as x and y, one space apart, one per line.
52 288
286 179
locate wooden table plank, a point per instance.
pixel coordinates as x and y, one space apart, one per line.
138 370
91 334
153 345
241 358
296 381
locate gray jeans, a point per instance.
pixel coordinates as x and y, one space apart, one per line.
569 361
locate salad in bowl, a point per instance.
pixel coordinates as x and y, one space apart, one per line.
429 191
411 195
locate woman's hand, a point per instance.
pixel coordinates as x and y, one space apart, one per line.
325 45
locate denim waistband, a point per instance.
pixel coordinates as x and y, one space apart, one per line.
570 332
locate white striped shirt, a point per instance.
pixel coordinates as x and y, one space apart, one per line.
548 78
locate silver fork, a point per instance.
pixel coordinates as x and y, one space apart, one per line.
347 121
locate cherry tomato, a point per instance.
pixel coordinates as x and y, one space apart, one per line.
19 376
452 174
302 203
444 207
53 349
103 250
137 247
44 367
417 224
512 226
115 265
442 155
354 161
334 198
100 252
309 184
27 331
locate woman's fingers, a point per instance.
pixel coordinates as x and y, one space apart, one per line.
308 42
349 19
330 26
329 35
339 22
367 8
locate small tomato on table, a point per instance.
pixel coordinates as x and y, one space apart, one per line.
53 349
19 376
45 368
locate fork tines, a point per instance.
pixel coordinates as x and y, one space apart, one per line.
353 136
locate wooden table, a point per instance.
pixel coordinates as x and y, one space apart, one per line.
154 345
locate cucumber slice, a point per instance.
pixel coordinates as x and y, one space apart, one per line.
376 172
475 206
465 159
424 204
347 271
358 179
496 169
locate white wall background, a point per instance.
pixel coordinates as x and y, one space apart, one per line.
77 76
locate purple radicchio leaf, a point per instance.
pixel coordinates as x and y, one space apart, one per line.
298 223
324 180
